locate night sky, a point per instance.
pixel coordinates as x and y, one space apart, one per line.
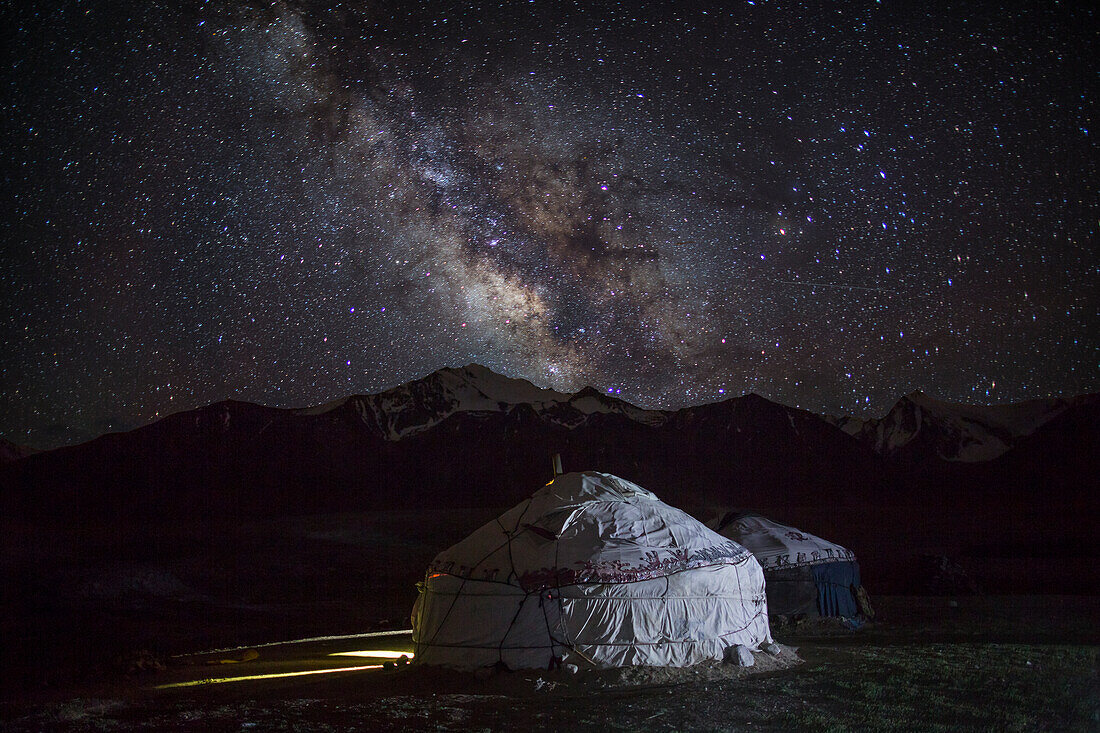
830 205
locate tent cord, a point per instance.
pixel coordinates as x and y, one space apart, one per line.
465 578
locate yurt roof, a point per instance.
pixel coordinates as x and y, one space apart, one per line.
778 545
586 527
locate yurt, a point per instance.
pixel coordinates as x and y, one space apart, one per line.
595 571
805 574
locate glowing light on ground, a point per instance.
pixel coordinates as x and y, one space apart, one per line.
307 640
222 680
374 653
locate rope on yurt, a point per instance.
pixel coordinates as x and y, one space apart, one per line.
465 578
561 607
516 531
512 623
572 645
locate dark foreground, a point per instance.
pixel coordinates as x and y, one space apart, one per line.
971 663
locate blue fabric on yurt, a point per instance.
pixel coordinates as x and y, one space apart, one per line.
835 582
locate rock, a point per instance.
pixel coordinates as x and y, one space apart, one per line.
771 648
740 655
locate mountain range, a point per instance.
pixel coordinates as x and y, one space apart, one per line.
920 427
1010 489
469 436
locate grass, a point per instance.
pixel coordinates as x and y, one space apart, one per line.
947 687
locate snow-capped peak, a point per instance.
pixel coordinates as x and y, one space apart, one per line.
479 388
411 408
953 431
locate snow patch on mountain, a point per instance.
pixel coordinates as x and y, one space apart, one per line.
917 426
412 408
589 401
952 431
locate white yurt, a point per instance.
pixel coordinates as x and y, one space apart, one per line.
807 576
594 570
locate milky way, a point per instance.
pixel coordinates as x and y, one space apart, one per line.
830 205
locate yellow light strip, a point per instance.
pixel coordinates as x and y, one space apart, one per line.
220 680
376 653
393 632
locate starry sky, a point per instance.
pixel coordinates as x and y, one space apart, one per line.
830 204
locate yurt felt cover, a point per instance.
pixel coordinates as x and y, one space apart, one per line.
792 591
591 569
836 582
776 545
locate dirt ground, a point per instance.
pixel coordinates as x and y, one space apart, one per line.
926 663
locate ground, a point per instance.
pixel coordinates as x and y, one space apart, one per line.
926 663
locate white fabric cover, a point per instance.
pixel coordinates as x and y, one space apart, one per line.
592 568
776 545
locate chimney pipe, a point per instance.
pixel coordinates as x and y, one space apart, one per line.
557 465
